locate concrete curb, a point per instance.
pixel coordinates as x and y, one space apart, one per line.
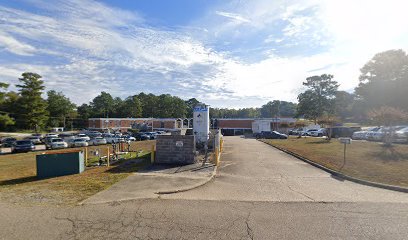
341 175
191 187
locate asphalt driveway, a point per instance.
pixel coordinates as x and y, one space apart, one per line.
253 171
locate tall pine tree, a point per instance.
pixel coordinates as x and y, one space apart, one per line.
31 106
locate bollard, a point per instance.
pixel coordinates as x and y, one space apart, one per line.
86 156
152 155
107 157
216 156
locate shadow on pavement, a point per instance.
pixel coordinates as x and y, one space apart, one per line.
176 168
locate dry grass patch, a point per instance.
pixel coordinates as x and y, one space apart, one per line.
18 182
366 160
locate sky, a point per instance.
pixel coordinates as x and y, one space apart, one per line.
224 53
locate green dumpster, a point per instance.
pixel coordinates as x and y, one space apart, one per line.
53 164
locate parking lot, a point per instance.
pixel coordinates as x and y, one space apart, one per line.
390 134
19 143
7 150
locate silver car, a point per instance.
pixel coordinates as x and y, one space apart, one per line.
401 136
83 136
56 143
78 142
34 139
97 141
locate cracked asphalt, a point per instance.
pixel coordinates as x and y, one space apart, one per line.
258 193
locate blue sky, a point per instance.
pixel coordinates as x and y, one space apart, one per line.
224 53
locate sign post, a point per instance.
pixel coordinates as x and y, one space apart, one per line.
201 122
345 142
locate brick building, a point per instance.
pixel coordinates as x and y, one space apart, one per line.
228 126
123 124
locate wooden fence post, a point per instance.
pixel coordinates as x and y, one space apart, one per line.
107 157
86 156
152 155
217 159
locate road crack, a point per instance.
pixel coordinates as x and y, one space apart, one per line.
298 192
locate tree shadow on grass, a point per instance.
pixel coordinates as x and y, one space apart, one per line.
390 153
19 181
319 142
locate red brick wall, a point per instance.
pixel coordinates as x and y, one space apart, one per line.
156 124
169 124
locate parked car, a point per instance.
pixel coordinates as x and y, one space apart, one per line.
22 146
78 142
83 136
49 136
34 139
94 134
67 136
271 135
110 138
298 131
337 132
316 132
129 138
376 135
295 131
46 140
359 135
362 135
97 141
152 135
119 139
307 132
56 143
381 133
37 135
8 142
370 134
141 136
401 136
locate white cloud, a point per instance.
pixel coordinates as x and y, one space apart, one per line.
297 26
12 45
99 56
233 16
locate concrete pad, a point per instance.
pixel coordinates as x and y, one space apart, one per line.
155 181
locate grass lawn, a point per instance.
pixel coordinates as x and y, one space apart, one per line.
365 160
18 182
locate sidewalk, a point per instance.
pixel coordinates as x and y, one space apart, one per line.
156 180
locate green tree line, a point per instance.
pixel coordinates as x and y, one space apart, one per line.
383 84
